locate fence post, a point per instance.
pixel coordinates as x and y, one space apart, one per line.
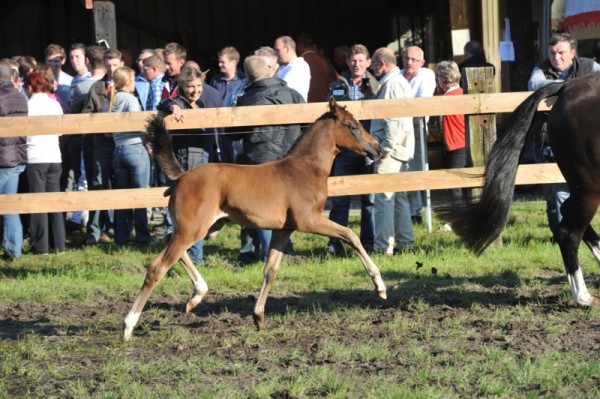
481 129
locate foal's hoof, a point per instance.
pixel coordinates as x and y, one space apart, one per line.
127 331
382 294
259 321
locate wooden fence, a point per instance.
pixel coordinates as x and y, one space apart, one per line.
266 115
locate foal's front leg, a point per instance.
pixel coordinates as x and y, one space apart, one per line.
323 226
279 241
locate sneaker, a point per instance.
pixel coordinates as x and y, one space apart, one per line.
447 227
9 258
212 235
333 250
104 238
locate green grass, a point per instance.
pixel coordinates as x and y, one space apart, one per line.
500 325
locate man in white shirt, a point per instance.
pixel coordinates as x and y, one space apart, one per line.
293 69
422 82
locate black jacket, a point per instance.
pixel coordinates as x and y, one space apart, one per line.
267 143
581 66
13 150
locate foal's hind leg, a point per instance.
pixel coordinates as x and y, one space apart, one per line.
323 226
200 286
578 212
156 271
279 241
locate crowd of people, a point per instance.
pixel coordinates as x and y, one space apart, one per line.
163 79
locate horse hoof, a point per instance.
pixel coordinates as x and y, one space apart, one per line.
127 331
595 303
382 294
259 322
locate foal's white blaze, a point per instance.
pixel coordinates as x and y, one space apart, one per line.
579 291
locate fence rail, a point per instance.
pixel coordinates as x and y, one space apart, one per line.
264 115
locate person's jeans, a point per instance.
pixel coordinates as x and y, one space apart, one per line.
392 212
74 148
196 251
12 240
418 163
102 170
348 163
132 170
555 194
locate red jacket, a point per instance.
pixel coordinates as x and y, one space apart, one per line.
454 126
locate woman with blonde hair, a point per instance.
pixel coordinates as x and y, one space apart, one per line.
131 161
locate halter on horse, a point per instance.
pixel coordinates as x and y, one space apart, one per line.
573 132
285 195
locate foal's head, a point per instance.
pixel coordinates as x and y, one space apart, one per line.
351 135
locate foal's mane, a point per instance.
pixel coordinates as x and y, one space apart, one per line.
309 129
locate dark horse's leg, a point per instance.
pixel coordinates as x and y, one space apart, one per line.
578 211
592 240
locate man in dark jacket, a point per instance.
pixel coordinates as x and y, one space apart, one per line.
264 143
13 157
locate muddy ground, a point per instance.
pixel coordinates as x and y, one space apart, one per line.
437 309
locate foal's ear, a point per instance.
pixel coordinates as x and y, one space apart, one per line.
332 104
334 108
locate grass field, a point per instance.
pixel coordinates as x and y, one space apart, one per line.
501 325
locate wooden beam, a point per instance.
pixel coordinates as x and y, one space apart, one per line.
265 114
344 185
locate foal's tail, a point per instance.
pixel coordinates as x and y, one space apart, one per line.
162 145
479 223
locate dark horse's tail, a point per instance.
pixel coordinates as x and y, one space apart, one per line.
162 146
479 223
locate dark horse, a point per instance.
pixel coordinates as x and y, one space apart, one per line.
574 135
285 195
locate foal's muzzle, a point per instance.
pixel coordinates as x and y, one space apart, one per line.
373 151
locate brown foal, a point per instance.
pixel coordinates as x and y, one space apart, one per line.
284 195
